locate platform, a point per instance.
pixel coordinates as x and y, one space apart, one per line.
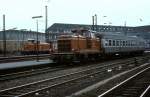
23 64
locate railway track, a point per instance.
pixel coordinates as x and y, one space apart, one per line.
23 58
56 86
31 72
137 85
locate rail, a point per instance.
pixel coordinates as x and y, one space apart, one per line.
117 90
22 58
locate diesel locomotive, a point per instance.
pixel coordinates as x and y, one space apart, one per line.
32 48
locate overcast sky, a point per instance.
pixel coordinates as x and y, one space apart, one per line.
19 12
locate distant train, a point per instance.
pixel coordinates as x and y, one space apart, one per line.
31 48
28 47
87 45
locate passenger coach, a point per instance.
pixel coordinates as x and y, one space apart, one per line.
116 44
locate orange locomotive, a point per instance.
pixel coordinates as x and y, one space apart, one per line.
73 48
30 48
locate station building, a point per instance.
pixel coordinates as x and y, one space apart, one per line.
61 28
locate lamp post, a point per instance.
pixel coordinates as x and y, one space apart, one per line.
94 22
4 37
125 25
37 45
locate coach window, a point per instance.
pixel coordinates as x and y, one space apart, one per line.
113 42
109 42
121 42
140 44
126 43
130 43
137 43
133 42
117 43
143 44
106 42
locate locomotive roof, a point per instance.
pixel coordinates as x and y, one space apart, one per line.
71 36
